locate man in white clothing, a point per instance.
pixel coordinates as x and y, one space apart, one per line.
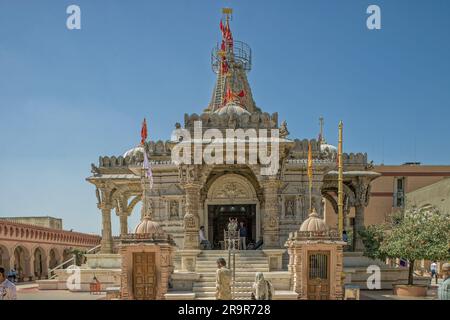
7 288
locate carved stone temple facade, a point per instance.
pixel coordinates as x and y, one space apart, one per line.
189 195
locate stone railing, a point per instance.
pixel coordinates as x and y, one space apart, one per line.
305 161
331 235
255 120
30 233
118 162
144 237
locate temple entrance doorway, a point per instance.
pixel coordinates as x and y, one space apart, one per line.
218 218
231 196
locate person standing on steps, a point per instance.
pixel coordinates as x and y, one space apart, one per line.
223 281
243 235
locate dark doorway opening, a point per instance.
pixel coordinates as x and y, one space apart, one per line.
219 215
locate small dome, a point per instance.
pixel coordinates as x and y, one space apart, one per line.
147 226
136 151
230 109
327 148
313 223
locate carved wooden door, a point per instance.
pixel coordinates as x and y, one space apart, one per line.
144 276
318 275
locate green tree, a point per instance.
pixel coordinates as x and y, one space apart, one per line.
78 254
421 234
372 237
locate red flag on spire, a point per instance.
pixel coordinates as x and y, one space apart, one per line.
144 132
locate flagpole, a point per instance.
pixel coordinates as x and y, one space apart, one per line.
310 175
340 182
310 195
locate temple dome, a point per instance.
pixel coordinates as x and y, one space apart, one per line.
327 148
147 226
136 152
230 109
313 223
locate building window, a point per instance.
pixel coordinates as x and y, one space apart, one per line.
399 192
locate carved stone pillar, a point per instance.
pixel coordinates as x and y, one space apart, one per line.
191 218
359 225
297 206
107 241
104 203
123 213
124 223
271 215
362 189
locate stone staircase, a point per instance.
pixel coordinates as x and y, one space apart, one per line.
247 264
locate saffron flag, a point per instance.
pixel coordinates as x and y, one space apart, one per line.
146 163
310 164
144 132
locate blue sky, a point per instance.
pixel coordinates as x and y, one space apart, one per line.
67 97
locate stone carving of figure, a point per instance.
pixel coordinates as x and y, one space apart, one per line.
273 221
97 194
147 208
290 208
232 121
283 130
244 120
280 203
262 288
173 210
191 173
189 221
183 208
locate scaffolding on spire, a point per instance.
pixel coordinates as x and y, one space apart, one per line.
231 60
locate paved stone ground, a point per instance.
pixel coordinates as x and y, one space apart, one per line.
30 291
387 295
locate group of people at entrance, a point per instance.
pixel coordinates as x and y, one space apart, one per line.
239 229
262 289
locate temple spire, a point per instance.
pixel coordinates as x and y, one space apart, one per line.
231 60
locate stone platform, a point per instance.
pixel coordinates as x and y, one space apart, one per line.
356 271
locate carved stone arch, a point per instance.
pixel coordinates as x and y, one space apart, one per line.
332 201
231 187
5 257
329 186
133 203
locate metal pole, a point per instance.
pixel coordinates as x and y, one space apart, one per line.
234 272
340 183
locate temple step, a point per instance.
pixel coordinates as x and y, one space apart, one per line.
247 264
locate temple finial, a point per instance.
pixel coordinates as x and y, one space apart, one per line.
321 138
